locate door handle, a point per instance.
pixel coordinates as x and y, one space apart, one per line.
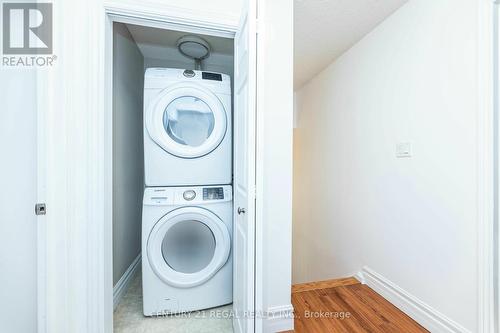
241 210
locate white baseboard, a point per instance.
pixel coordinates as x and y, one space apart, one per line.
423 314
279 319
122 285
360 277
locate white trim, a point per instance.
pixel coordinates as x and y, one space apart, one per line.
278 319
422 313
163 16
486 205
42 82
259 177
63 304
360 277
122 285
494 313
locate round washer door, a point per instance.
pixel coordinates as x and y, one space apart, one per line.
188 246
187 121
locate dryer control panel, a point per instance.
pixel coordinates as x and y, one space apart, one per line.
160 78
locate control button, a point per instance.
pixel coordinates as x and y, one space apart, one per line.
189 73
189 195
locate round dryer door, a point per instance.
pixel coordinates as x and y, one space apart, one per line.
187 121
188 246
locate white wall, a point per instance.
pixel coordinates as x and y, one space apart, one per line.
412 220
128 150
18 225
274 151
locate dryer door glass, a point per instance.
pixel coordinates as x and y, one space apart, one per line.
188 121
188 246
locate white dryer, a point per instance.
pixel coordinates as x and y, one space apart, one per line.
186 249
187 120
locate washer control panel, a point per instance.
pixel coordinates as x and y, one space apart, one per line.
189 195
158 196
213 193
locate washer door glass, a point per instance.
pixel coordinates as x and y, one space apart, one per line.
188 246
187 121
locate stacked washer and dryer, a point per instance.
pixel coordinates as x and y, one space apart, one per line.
187 206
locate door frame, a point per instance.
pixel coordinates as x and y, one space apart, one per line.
490 49
187 21
77 153
487 166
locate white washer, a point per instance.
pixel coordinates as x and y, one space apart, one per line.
186 249
187 120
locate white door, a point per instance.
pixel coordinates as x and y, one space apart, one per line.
18 224
244 170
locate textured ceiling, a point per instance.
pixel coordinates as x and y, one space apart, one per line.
324 29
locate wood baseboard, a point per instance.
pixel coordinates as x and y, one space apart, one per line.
298 288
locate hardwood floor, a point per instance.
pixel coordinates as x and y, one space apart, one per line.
346 306
296 288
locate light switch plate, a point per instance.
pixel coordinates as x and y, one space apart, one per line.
403 149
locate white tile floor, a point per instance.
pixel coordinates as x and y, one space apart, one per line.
128 317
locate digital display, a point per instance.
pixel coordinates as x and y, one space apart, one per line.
211 76
213 193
